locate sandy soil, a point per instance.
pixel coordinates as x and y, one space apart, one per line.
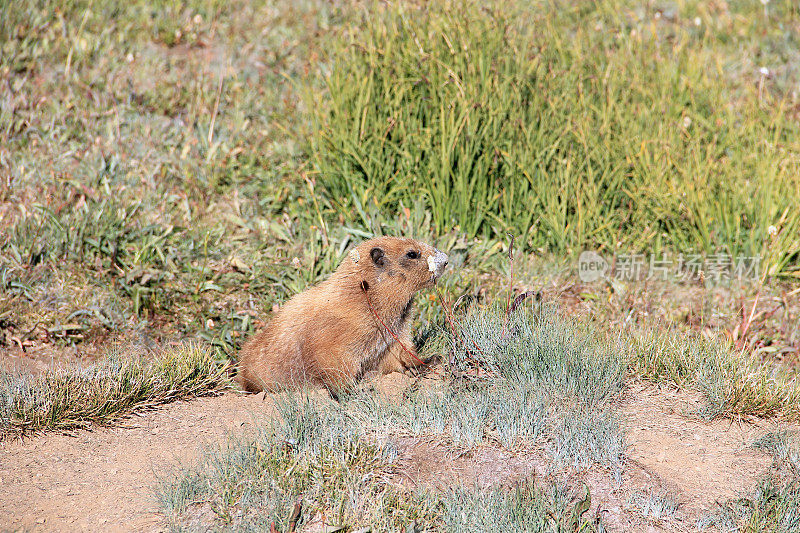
102 480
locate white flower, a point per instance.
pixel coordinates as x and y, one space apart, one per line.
687 122
697 21
764 71
765 2
296 262
772 230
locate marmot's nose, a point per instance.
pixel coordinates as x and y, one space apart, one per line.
436 262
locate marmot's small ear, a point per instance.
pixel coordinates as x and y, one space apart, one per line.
377 256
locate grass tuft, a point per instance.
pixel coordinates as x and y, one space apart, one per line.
734 384
655 505
523 508
68 398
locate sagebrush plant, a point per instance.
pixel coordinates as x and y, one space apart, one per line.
596 125
80 396
547 380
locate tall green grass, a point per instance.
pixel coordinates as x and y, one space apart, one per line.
570 124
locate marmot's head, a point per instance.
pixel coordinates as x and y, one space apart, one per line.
405 265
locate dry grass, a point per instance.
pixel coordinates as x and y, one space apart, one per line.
70 398
735 384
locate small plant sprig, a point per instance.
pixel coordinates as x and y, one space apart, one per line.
510 282
456 331
740 332
475 356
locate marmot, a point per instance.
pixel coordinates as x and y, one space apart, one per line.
348 325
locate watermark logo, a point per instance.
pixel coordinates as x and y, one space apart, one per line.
717 268
592 266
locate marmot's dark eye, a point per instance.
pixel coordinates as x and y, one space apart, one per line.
412 254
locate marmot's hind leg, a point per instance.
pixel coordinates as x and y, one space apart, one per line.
338 372
244 381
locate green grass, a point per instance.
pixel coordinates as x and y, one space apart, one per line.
78 397
133 181
571 125
163 163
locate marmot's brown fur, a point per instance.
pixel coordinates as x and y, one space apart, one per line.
335 333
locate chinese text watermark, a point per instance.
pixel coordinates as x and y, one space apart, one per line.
717 268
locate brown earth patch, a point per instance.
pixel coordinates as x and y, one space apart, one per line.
102 480
704 461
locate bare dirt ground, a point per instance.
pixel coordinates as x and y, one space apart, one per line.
103 480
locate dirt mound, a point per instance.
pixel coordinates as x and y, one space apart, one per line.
103 479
